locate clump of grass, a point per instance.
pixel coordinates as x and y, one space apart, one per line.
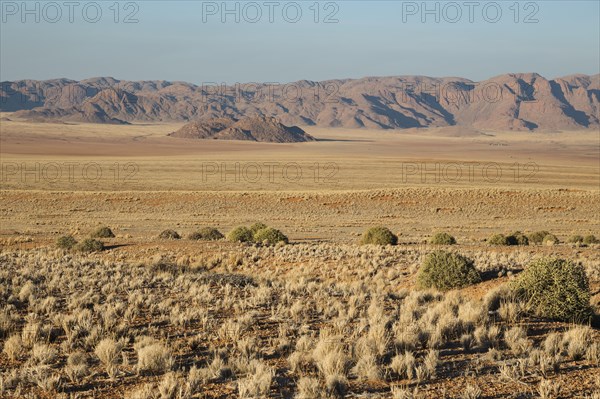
206 234
77 366
269 236
556 289
517 238
257 383
13 347
154 358
66 242
577 340
109 353
445 270
166 266
169 235
103 232
240 234
308 388
590 239
379 236
471 392
90 245
498 239
336 385
548 389
443 239
538 236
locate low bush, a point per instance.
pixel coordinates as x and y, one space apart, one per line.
269 236
576 239
590 239
257 226
517 238
537 237
240 234
550 239
169 235
498 239
443 239
206 234
445 270
556 289
103 232
66 242
379 236
90 245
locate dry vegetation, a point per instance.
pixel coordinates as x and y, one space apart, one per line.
158 305
212 319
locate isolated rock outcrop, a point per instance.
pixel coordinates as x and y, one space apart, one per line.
254 128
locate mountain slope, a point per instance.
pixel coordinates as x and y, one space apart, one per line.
507 102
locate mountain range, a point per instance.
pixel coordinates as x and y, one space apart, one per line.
523 101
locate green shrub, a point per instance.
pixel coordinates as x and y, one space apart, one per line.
196 235
103 232
257 226
590 239
550 239
90 245
498 239
556 289
379 236
443 239
206 234
538 236
517 238
576 239
240 234
445 270
169 235
269 236
66 242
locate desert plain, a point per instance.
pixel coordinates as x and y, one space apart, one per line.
320 317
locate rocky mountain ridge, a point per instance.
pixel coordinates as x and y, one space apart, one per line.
525 102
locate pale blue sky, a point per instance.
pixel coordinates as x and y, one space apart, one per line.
172 42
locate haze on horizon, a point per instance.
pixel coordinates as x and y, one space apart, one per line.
200 42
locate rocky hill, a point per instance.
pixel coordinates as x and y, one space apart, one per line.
507 102
254 128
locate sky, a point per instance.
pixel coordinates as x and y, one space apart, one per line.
284 41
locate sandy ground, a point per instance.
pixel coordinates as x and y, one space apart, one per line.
470 214
70 179
58 177
142 157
